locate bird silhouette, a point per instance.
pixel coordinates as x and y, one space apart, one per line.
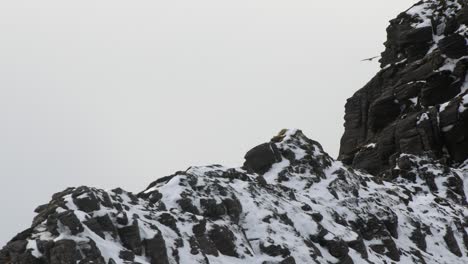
371 59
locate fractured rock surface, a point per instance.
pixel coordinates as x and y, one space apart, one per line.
417 103
398 193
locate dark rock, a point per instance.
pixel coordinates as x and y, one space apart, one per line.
288 260
383 111
106 225
45 246
275 250
405 163
41 208
359 246
452 242
440 87
419 238
13 250
130 236
346 260
453 46
202 241
392 250
94 226
64 252
415 35
126 255
155 249
187 206
90 253
234 208
306 207
337 248
212 209
122 218
22 235
168 220
69 220
223 239
86 200
395 109
317 217
261 158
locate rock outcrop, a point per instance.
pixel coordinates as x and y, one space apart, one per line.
398 195
305 208
417 103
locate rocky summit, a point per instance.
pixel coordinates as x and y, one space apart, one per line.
396 194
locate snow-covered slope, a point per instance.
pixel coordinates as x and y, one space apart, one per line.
304 208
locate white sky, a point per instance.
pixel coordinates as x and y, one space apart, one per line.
118 93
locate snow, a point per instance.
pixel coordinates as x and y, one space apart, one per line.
423 12
272 175
32 245
463 104
423 117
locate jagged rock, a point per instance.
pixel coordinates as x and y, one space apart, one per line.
130 236
398 110
86 200
224 240
155 249
419 238
337 248
94 225
454 46
234 208
90 253
126 255
64 251
212 209
187 205
168 220
402 200
69 220
213 213
452 243
359 246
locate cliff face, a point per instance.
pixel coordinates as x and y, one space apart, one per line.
398 195
417 103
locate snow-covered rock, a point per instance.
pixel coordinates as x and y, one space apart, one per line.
305 208
291 202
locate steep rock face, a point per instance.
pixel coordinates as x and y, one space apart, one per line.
306 208
417 103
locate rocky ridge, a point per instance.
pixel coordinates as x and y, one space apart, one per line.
417 103
398 194
289 203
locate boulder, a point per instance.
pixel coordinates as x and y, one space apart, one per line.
261 158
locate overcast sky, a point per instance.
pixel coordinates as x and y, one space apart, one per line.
119 93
